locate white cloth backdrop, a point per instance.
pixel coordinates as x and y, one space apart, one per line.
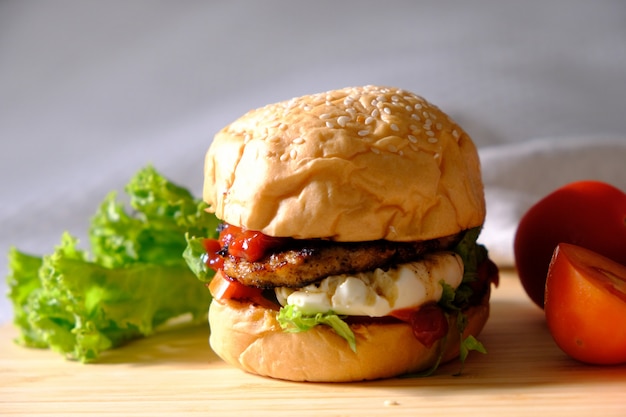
90 91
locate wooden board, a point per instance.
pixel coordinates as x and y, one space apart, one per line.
175 373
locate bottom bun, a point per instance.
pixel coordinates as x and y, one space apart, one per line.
250 337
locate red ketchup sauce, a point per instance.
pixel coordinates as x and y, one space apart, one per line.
241 243
428 322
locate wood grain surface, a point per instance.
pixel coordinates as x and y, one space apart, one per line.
175 373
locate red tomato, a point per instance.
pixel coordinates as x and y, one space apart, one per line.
590 214
585 305
223 288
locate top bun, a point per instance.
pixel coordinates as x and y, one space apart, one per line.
354 164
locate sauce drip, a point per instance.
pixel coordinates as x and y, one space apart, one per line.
428 322
241 243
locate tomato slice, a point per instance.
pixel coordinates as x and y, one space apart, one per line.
591 214
223 288
585 305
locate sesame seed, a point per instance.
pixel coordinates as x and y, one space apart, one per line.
430 133
284 157
395 99
414 116
456 134
298 140
330 124
363 132
413 128
436 156
387 110
324 116
343 120
375 150
408 108
293 153
432 140
369 120
417 106
351 110
283 126
394 127
438 126
348 101
414 147
375 113
412 138
374 102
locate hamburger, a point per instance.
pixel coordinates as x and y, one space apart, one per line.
347 249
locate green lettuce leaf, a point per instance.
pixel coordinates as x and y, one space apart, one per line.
155 231
195 255
470 343
292 320
23 280
472 254
453 301
135 280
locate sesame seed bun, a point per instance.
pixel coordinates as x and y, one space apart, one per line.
354 164
249 337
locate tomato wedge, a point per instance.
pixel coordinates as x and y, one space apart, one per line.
585 305
591 214
223 288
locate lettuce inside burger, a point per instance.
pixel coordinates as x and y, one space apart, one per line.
347 249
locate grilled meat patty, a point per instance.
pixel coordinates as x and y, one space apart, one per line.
316 259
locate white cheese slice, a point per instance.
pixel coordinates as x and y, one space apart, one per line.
379 292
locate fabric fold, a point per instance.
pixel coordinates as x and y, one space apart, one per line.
518 175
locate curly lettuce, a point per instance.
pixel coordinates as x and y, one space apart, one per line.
195 255
133 280
292 320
